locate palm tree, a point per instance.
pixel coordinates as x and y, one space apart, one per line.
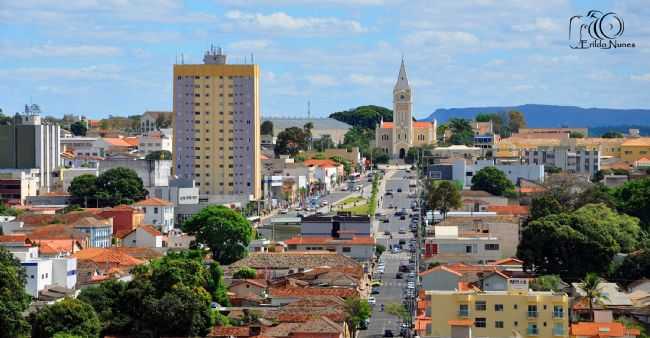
590 285
308 127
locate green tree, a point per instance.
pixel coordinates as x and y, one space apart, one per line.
379 156
359 137
590 285
462 132
79 128
398 310
633 198
612 134
245 273
379 249
325 142
492 180
546 283
226 232
120 186
159 155
364 117
576 134
635 266
108 300
180 312
574 243
516 121
357 311
83 189
6 210
266 128
70 316
594 194
290 141
483 117
545 205
442 196
162 121
13 299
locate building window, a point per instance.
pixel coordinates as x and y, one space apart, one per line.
479 322
558 311
347 249
480 305
532 311
155 210
558 329
463 310
498 324
498 307
532 329
492 247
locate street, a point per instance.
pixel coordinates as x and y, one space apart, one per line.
392 290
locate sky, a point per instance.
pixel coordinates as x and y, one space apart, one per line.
101 57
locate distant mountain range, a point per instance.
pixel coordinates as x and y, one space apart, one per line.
548 116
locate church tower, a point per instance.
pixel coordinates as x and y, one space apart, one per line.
402 120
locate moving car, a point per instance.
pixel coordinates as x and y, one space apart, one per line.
386 233
375 290
396 250
388 333
402 230
398 275
376 283
372 300
399 189
284 211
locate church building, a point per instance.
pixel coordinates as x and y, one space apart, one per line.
395 138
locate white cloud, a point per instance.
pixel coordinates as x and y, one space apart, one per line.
443 38
540 24
280 21
322 80
96 72
249 44
50 50
641 77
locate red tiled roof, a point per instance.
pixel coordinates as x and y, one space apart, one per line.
387 125
153 201
508 261
308 292
320 163
55 246
311 240
227 331
319 326
422 124
13 239
116 142
441 268
509 209
107 255
257 282
133 141
591 329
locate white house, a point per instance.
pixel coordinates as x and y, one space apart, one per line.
464 172
155 141
158 212
145 236
39 275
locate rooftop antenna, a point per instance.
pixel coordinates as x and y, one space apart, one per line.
182 59
252 58
245 59
308 109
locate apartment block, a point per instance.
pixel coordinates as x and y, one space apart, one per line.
217 126
581 160
515 312
30 144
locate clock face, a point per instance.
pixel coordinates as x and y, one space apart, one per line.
401 97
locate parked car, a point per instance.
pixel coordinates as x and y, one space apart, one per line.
375 290
398 275
284 211
386 233
388 333
399 189
402 217
402 230
372 300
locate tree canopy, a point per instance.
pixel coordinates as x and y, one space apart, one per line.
79 128
442 196
357 311
13 299
245 273
226 232
290 141
69 316
266 128
546 283
492 180
159 155
169 297
114 186
462 132
633 198
366 117
573 244
612 134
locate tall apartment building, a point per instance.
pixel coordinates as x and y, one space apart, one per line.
30 144
217 127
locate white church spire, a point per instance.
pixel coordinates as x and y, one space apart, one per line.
402 80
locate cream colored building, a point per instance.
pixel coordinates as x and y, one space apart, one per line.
395 138
516 312
217 127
